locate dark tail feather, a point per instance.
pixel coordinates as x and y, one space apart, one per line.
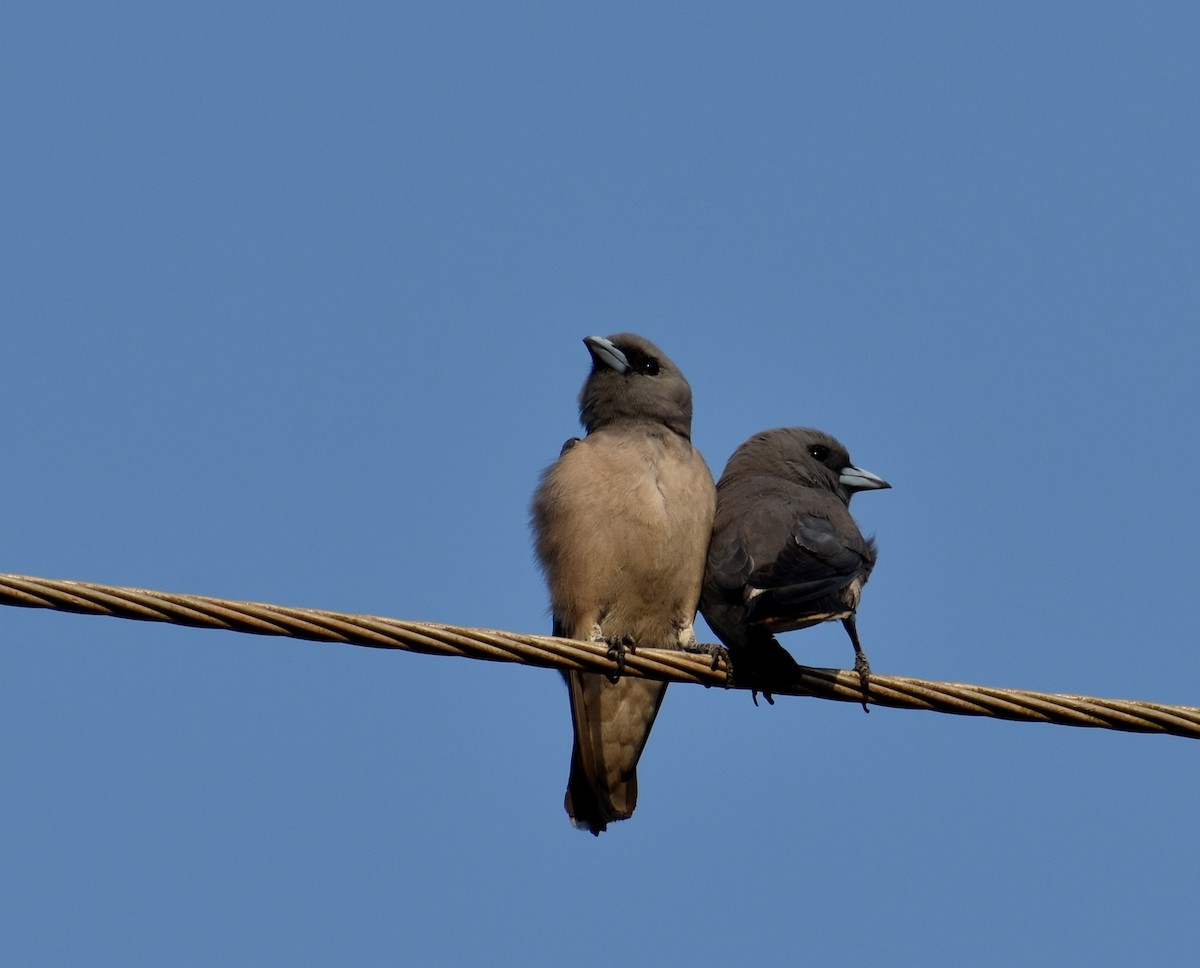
584 804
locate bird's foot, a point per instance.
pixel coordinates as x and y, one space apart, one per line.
863 668
716 653
618 645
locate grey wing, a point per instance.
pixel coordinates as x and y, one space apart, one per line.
818 558
820 553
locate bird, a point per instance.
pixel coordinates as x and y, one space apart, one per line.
785 552
621 524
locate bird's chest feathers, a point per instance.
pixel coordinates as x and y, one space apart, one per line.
648 495
649 486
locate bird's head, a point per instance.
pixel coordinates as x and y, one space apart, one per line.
633 380
806 456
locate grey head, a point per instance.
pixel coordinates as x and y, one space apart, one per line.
632 380
811 458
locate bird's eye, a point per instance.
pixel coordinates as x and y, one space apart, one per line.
639 362
819 451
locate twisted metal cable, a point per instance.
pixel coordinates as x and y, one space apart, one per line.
899 692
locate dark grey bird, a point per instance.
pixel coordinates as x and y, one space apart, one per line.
785 552
621 524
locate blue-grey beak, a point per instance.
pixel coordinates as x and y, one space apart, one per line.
603 351
856 479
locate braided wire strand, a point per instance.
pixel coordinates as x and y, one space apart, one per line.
373 631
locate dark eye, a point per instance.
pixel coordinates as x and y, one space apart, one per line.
819 451
641 363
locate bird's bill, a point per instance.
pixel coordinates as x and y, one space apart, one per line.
603 351
856 479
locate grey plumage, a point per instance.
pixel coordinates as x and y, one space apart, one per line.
621 524
785 552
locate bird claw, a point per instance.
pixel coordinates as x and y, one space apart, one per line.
861 665
618 645
863 668
717 653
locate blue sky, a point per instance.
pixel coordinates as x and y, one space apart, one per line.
292 306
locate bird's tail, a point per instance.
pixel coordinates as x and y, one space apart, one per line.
612 723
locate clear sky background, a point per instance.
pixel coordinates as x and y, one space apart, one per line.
292 304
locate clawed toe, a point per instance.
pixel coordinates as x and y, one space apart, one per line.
618 645
717 653
863 668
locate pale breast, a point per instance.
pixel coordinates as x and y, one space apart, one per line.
623 524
